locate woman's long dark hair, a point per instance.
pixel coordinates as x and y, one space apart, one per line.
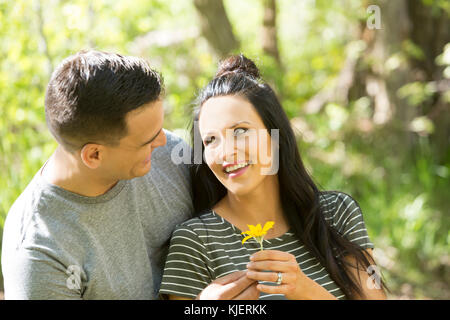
299 195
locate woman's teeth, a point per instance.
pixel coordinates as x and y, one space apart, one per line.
235 167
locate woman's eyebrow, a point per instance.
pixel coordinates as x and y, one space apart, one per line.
237 123
149 141
234 125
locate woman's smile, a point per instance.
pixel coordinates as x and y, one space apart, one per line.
234 170
235 138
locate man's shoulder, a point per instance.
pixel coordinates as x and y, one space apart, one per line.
30 198
173 142
172 159
30 220
173 138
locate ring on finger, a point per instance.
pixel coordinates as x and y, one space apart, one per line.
279 278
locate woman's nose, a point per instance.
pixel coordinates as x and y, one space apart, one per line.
229 150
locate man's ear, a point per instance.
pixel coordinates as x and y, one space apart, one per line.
92 155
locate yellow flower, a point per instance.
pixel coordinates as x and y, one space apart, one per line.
257 232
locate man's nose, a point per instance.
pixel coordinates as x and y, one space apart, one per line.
161 140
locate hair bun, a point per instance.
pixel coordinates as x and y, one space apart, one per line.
238 64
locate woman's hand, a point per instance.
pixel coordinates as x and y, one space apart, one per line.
295 284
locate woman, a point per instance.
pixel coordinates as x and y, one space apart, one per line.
318 247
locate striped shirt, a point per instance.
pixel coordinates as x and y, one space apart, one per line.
209 247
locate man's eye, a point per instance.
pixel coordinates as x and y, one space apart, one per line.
239 131
208 140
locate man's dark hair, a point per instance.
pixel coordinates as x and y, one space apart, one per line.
90 93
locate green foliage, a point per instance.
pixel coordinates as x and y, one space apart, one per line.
402 193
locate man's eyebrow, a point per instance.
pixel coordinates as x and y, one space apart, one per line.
149 141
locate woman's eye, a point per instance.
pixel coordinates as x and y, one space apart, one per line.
239 131
208 140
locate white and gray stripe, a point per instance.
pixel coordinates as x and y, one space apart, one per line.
208 247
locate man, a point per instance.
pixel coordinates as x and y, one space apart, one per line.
95 221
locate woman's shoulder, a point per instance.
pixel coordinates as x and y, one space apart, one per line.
205 218
333 198
200 224
345 215
338 207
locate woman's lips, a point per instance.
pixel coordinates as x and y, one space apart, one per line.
238 172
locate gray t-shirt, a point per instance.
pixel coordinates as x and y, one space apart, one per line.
60 245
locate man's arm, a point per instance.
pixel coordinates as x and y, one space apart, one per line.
32 275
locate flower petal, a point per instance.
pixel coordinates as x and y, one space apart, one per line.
268 225
246 238
253 229
257 230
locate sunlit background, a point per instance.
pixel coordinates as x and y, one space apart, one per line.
365 84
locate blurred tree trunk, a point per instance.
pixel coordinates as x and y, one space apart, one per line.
430 30
402 51
216 26
269 30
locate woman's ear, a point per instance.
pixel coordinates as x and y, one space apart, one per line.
92 155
